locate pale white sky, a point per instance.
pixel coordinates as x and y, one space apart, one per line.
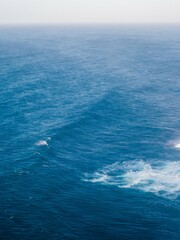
88 11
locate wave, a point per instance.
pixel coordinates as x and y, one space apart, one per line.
162 178
91 113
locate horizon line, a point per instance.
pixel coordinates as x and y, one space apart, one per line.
88 23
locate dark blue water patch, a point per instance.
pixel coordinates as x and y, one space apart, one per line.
89 132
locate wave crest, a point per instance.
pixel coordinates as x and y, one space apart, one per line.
41 143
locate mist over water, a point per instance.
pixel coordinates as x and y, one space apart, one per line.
90 132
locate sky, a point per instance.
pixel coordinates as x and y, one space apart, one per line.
89 11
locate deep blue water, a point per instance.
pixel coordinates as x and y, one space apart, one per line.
90 132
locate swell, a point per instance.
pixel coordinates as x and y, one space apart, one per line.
91 114
116 123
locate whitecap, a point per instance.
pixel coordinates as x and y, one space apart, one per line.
161 178
41 143
175 144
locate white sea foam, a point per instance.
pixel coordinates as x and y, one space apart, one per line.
175 144
41 143
162 178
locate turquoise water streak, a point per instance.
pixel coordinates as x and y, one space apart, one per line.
90 132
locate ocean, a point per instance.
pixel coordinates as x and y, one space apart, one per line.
90 132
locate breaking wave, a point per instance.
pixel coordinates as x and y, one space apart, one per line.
41 143
176 144
162 178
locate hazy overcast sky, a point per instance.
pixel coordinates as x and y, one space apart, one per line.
88 11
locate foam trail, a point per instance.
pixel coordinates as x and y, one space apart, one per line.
162 178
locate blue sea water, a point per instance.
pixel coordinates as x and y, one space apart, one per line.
90 132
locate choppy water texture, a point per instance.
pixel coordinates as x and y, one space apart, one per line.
90 132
